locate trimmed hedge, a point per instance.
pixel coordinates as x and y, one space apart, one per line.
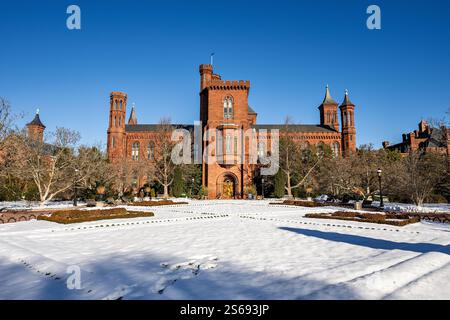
155 203
400 220
299 203
77 216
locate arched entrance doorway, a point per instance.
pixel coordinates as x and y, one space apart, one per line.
226 186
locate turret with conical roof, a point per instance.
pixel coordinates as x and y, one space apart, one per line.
347 101
328 111
36 128
348 125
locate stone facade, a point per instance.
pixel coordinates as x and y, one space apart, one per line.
224 109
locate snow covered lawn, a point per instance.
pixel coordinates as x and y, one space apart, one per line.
225 250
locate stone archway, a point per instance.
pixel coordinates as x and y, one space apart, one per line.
227 185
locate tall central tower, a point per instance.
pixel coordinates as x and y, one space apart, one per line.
224 112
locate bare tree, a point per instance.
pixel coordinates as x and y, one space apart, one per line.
420 175
57 166
163 165
6 120
13 184
296 162
125 171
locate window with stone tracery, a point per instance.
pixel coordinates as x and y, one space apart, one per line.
135 151
228 108
335 148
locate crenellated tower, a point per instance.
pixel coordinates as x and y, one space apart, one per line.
329 111
224 112
348 125
116 130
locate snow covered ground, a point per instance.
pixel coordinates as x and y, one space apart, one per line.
426 208
225 250
22 205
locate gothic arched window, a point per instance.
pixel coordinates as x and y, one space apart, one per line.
121 104
115 121
115 104
344 120
335 148
261 149
228 108
149 151
135 151
228 144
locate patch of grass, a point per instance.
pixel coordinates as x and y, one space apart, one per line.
77 216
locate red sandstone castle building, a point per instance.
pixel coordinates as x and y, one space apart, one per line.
426 139
224 107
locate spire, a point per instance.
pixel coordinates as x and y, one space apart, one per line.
36 121
133 118
347 101
328 99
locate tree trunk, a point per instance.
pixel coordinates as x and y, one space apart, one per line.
166 191
288 187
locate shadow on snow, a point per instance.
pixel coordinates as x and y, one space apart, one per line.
371 242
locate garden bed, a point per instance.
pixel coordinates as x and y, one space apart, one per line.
155 203
299 203
76 216
387 218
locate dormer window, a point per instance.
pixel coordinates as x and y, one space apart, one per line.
228 108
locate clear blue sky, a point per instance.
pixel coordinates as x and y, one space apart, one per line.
288 49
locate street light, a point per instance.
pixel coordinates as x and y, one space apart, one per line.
75 189
192 187
381 191
262 187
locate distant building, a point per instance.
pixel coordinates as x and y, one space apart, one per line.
427 139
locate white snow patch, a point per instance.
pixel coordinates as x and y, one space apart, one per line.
225 250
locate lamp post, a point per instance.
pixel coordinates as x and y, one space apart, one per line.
75 189
381 191
192 187
262 187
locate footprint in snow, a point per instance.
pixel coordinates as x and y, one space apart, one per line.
181 271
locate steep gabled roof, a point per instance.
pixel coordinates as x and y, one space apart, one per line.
436 139
133 117
154 127
328 99
307 128
346 101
